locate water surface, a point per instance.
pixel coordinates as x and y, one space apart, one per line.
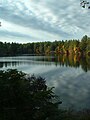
69 75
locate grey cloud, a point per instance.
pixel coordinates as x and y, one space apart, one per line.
68 14
29 21
8 34
71 12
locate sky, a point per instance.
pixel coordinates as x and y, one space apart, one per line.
26 21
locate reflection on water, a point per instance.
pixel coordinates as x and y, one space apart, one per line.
70 75
71 61
6 64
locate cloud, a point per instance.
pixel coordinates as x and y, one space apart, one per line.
61 19
11 30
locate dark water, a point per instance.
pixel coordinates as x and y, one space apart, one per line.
69 75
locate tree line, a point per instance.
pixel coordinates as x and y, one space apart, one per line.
77 47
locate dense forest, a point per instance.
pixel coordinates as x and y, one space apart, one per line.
75 47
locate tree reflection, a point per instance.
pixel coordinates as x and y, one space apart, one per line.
60 60
7 64
73 61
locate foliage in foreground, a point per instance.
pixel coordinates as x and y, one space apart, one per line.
29 98
25 98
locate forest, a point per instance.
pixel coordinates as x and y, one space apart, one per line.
24 97
68 47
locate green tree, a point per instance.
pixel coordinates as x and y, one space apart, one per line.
26 98
83 44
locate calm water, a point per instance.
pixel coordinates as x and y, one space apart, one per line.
69 75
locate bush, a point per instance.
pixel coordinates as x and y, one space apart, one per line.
26 98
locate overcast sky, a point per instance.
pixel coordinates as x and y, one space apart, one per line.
43 20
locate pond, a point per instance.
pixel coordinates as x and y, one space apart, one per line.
70 75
